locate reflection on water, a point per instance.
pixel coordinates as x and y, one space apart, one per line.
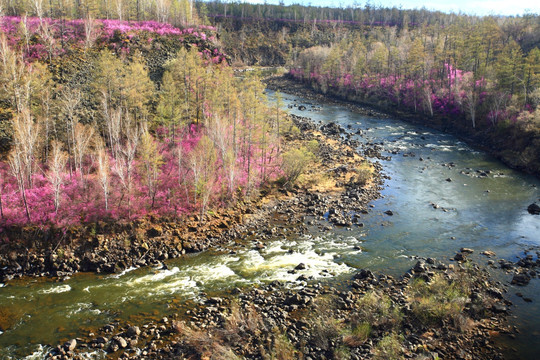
443 194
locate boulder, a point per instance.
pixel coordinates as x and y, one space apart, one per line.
521 279
505 264
364 274
488 253
420 267
120 341
154 231
534 209
133 331
70 345
459 257
499 308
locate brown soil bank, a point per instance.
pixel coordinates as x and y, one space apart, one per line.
338 178
517 147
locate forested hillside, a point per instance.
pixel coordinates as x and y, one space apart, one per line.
477 76
116 119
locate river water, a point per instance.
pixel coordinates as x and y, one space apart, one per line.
483 207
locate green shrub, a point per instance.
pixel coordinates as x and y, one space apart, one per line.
389 348
358 335
363 176
342 353
295 162
378 310
437 300
313 146
324 328
282 349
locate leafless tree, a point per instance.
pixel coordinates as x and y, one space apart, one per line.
151 160
124 163
14 79
428 100
498 103
37 6
26 134
103 173
90 32
70 100
120 9
82 139
113 122
57 165
16 164
162 10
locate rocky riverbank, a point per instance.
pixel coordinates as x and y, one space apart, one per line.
436 310
340 181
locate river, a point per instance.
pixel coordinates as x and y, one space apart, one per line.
483 207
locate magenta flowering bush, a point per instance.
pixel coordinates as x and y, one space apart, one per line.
448 98
41 38
177 192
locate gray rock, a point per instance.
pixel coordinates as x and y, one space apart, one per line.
505 264
488 253
120 341
70 345
133 331
420 267
521 279
102 340
499 308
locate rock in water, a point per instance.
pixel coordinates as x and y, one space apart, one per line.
70 345
534 209
521 279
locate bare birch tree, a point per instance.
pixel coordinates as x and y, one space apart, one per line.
14 76
103 172
90 32
70 101
82 139
16 164
37 6
57 164
124 163
26 134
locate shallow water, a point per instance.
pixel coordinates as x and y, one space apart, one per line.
483 213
